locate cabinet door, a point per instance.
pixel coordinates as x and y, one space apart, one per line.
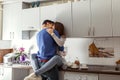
47 12
11 21
7 13
63 15
1 12
92 76
1 72
7 74
81 18
116 17
109 77
101 18
80 76
72 76
16 20
31 19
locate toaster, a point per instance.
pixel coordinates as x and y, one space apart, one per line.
9 58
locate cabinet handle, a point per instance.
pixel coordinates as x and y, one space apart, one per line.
13 35
89 31
10 35
93 31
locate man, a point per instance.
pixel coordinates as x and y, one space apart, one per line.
47 49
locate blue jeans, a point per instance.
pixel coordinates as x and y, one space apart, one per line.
48 69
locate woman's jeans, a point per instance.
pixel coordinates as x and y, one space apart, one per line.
48 69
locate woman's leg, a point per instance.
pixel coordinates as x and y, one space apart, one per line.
55 60
34 62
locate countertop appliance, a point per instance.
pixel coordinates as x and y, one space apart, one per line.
9 58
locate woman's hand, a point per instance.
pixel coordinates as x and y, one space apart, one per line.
50 31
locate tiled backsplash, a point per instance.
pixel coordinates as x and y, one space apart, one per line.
78 47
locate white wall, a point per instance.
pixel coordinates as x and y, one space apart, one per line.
78 47
5 44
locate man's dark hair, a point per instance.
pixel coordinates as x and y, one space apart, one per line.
48 21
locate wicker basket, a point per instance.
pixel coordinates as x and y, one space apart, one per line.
4 52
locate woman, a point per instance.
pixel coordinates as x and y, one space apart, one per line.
55 60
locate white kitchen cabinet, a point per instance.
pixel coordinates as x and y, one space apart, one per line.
109 77
1 14
9 73
92 18
116 17
47 13
81 18
60 13
80 76
101 18
31 19
64 15
1 73
12 21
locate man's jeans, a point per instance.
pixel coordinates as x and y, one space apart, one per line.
49 70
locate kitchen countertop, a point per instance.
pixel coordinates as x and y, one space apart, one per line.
16 66
96 69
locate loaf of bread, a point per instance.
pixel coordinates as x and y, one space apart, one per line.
93 49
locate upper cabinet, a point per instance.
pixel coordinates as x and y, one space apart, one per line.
1 12
60 13
64 15
101 18
81 18
92 18
31 19
84 18
12 21
116 17
47 12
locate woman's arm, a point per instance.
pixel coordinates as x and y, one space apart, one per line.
59 41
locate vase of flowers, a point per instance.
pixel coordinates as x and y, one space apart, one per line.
20 55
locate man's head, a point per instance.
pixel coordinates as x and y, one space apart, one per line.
48 23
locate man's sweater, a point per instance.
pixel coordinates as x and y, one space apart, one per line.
46 45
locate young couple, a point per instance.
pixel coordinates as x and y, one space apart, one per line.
50 41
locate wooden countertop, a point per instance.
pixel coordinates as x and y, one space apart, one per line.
96 69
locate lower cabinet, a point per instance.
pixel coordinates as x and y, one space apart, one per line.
109 77
13 73
80 76
65 75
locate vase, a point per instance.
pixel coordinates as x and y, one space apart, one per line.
22 58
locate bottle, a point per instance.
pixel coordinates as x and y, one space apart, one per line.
77 61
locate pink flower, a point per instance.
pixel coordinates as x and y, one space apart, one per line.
21 49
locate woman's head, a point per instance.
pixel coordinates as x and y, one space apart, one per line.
59 27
